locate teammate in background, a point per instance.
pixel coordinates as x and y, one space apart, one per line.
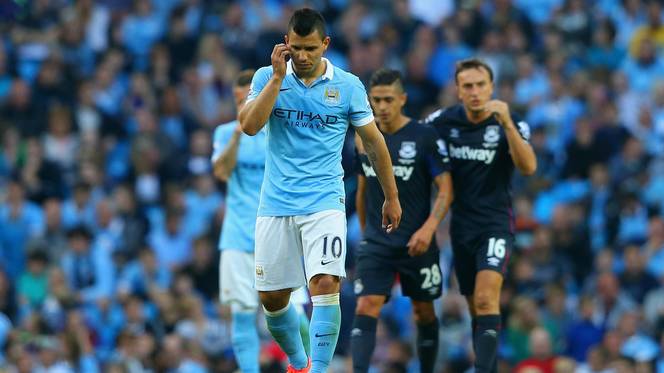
239 160
419 160
485 142
308 105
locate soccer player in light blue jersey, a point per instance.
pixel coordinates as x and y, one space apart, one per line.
306 106
239 160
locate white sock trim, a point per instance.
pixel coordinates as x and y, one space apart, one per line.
277 312
325 300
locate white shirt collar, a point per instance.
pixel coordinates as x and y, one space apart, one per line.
329 68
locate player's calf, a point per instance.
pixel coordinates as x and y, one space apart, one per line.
486 332
427 334
245 340
363 334
283 323
324 330
325 320
487 322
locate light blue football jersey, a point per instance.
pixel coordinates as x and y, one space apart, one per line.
305 135
243 188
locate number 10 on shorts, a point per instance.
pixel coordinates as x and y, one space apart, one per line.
336 249
496 248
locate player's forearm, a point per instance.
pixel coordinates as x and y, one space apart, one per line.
440 207
359 202
521 152
256 113
382 164
442 202
224 165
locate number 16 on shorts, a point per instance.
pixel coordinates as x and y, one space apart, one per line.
497 251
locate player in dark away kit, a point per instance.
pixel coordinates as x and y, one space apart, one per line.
419 159
485 142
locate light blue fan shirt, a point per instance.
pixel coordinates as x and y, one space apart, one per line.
243 188
305 135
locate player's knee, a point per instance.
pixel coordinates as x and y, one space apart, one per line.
324 284
274 300
423 312
369 305
486 302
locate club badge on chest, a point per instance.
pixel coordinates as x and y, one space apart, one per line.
407 152
491 136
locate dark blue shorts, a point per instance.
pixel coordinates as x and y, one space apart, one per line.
487 251
377 267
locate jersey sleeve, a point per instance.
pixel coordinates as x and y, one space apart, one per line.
360 113
436 156
522 126
221 137
258 82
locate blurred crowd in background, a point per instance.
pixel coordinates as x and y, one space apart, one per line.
109 215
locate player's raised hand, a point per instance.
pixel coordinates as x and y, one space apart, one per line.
500 110
391 214
279 54
420 241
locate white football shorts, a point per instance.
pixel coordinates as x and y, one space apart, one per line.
236 281
290 250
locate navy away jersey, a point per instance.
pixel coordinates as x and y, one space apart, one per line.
482 170
418 156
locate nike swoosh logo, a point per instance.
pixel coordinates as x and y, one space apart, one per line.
324 263
324 335
283 89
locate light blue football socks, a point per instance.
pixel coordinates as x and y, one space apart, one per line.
244 337
324 330
304 327
284 325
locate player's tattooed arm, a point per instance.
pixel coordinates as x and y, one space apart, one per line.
521 152
374 146
443 200
420 241
224 165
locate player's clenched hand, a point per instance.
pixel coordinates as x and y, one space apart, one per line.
278 57
500 111
419 242
391 214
